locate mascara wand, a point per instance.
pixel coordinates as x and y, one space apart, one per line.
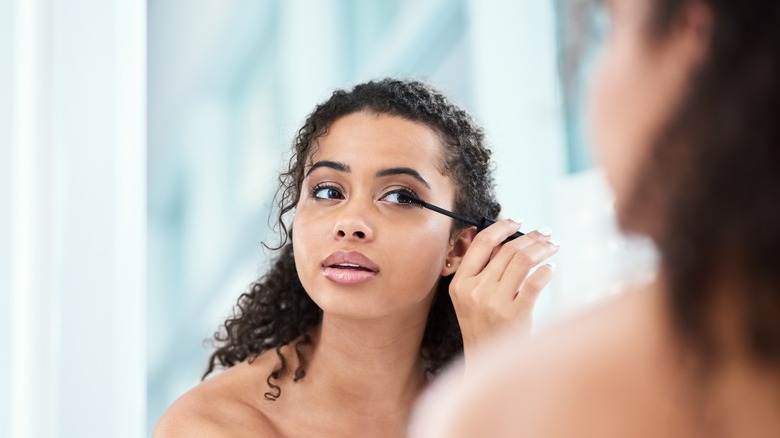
480 224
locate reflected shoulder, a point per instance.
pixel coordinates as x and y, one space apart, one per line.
583 369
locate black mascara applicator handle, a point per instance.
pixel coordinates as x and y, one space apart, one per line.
485 222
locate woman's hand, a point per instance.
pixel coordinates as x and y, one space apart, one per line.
494 286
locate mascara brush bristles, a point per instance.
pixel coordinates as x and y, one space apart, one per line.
448 213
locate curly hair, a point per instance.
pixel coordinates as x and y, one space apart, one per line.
714 175
276 310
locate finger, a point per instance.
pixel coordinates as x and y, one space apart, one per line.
518 243
518 270
502 256
541 234
531 289
482 246
505 253
524 241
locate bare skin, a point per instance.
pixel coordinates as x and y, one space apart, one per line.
612 372
347 392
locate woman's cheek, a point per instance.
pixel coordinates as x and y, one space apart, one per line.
615 104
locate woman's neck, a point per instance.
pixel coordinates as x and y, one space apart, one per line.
362 378
367 359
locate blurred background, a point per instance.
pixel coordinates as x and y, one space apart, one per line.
140 145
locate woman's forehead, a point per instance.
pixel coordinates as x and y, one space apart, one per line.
367 138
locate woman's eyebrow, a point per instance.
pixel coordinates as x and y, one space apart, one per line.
342 167
403 171
335 165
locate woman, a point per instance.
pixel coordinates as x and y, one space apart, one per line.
355 316
685 116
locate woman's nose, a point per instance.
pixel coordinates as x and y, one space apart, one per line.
352 224
360 235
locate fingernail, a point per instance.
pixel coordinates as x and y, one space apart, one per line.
517 222
545 230
552 266
555 242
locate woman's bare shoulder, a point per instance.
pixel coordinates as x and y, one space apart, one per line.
227 404
586 366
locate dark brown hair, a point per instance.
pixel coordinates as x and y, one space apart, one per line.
714 177
277 310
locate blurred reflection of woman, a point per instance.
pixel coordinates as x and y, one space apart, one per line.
686 117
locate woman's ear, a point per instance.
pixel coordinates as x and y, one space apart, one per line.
459 244
693 34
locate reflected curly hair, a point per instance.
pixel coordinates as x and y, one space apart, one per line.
714 177
277 311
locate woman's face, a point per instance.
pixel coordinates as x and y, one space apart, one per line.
360 250
639 82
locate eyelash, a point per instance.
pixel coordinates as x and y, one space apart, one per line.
406 191
317 187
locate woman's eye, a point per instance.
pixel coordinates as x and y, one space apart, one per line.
326 193
403 197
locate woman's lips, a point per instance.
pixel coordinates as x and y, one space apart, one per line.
349 267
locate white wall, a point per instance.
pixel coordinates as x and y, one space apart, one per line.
72 233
